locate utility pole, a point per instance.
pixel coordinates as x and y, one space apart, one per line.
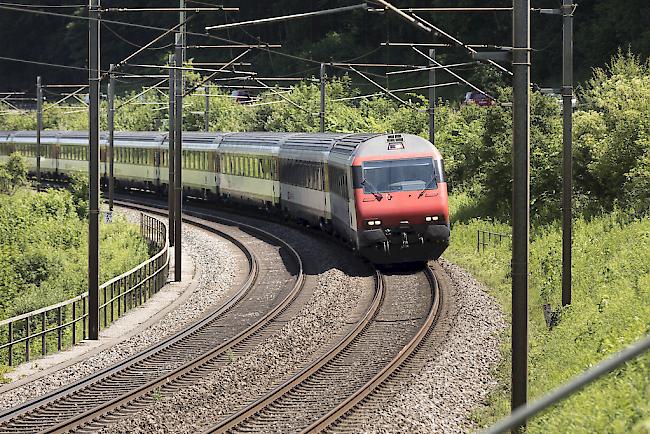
111 137
178 139
207 108
322 98
39 128
171 208
432 98
567 171
93 173
520 200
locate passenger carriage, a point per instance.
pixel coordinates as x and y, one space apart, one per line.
384 194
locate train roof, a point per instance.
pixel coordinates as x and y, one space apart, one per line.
263 143
139 139
322 142
198 140
347 146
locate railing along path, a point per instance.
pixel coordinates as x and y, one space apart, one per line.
66 323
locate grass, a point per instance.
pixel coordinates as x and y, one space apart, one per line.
610 310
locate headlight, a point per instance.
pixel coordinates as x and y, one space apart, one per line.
373 222
430 219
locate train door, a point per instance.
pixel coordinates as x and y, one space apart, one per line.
156 170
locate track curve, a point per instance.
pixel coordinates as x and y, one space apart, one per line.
87 400
325 391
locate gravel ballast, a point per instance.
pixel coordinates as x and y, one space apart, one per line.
243 379
217 263
457 377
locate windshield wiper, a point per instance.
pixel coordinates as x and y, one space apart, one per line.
431 182
373 189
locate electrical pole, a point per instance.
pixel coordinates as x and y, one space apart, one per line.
207 108
111 137
520 200
178 139
567 172
93 173
432 98
171 208
39 128
322 98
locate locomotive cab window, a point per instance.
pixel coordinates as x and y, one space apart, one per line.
398 175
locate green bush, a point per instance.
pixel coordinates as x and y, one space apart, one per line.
610 310
43 250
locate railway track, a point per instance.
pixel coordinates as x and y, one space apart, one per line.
397 319
323 393
275 280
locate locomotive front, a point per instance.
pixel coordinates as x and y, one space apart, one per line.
400 196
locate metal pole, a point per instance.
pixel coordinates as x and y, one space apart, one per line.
567 175
178 139
432 98
520 200
322 98
170 158
111 138
93 174
39 128
207 108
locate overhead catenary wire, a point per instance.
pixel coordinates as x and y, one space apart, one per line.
287 17
223 68
461 44
148 27
195 10
23 5
454 9
449 71
441 45
282 96
378 85
429 68
133 44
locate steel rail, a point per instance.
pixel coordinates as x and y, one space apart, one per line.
405 353
300 377
102 374
182 371
123 366
397 361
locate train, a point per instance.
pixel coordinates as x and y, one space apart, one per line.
385 195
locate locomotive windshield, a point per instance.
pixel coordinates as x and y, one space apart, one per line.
387 176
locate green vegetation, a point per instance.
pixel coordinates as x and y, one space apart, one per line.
611 267
611 309
43 246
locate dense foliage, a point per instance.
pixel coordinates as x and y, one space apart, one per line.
43 248
611 149
610 310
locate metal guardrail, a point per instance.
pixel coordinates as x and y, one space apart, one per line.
519 416
66 323
487 238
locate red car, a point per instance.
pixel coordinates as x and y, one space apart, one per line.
478 99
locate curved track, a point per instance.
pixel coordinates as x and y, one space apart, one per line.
274 280
403 310
319 396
